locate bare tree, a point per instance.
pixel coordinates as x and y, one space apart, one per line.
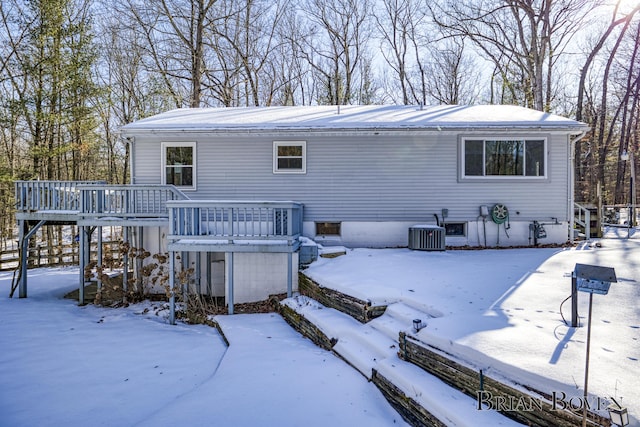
591 153
174 36
453 74
398 22
251 37
337 40
521 38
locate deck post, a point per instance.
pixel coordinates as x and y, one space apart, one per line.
172 291
82 262
99 257
198 272
125 264
289 274
25 235
185 286
137 267
24 255
209 277
85 259
230 280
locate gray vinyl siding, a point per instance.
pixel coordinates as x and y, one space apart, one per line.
363 178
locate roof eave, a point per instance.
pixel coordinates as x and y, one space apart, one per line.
275 130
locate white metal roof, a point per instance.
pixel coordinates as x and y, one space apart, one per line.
370 117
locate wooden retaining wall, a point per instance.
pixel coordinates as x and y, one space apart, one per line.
305 327
533 409
409 409
360 310
525 408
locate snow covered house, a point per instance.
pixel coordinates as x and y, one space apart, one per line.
240 186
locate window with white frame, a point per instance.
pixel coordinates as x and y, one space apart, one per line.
178 163
492 157
289 157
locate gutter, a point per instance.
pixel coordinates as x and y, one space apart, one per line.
571 179
129 140
274 130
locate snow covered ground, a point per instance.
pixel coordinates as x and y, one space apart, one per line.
499 310
62 364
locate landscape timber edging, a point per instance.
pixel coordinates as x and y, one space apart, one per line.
360 310
471 382
305 327
410 410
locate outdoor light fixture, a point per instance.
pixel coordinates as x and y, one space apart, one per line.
417 324
618 414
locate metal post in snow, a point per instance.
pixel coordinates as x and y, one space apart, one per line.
574 300
586 368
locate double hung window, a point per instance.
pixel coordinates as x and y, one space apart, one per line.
178 160
289 157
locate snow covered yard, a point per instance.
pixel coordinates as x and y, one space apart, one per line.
64 365
500 311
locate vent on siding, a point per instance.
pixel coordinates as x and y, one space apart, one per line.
427 238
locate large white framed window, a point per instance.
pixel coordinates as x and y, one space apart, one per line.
289 157
504 158
179 164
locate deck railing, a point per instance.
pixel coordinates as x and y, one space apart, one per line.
583 218
96 201
49 195
127 201
235 220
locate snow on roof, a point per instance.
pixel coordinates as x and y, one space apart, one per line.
353 117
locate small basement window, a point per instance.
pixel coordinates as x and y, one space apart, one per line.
289 157
327 228
455 229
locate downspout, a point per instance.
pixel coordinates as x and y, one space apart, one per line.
130 140
571 179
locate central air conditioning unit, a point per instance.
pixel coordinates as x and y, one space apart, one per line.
427 238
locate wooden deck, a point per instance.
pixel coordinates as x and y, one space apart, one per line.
94 203
201 226
194 225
